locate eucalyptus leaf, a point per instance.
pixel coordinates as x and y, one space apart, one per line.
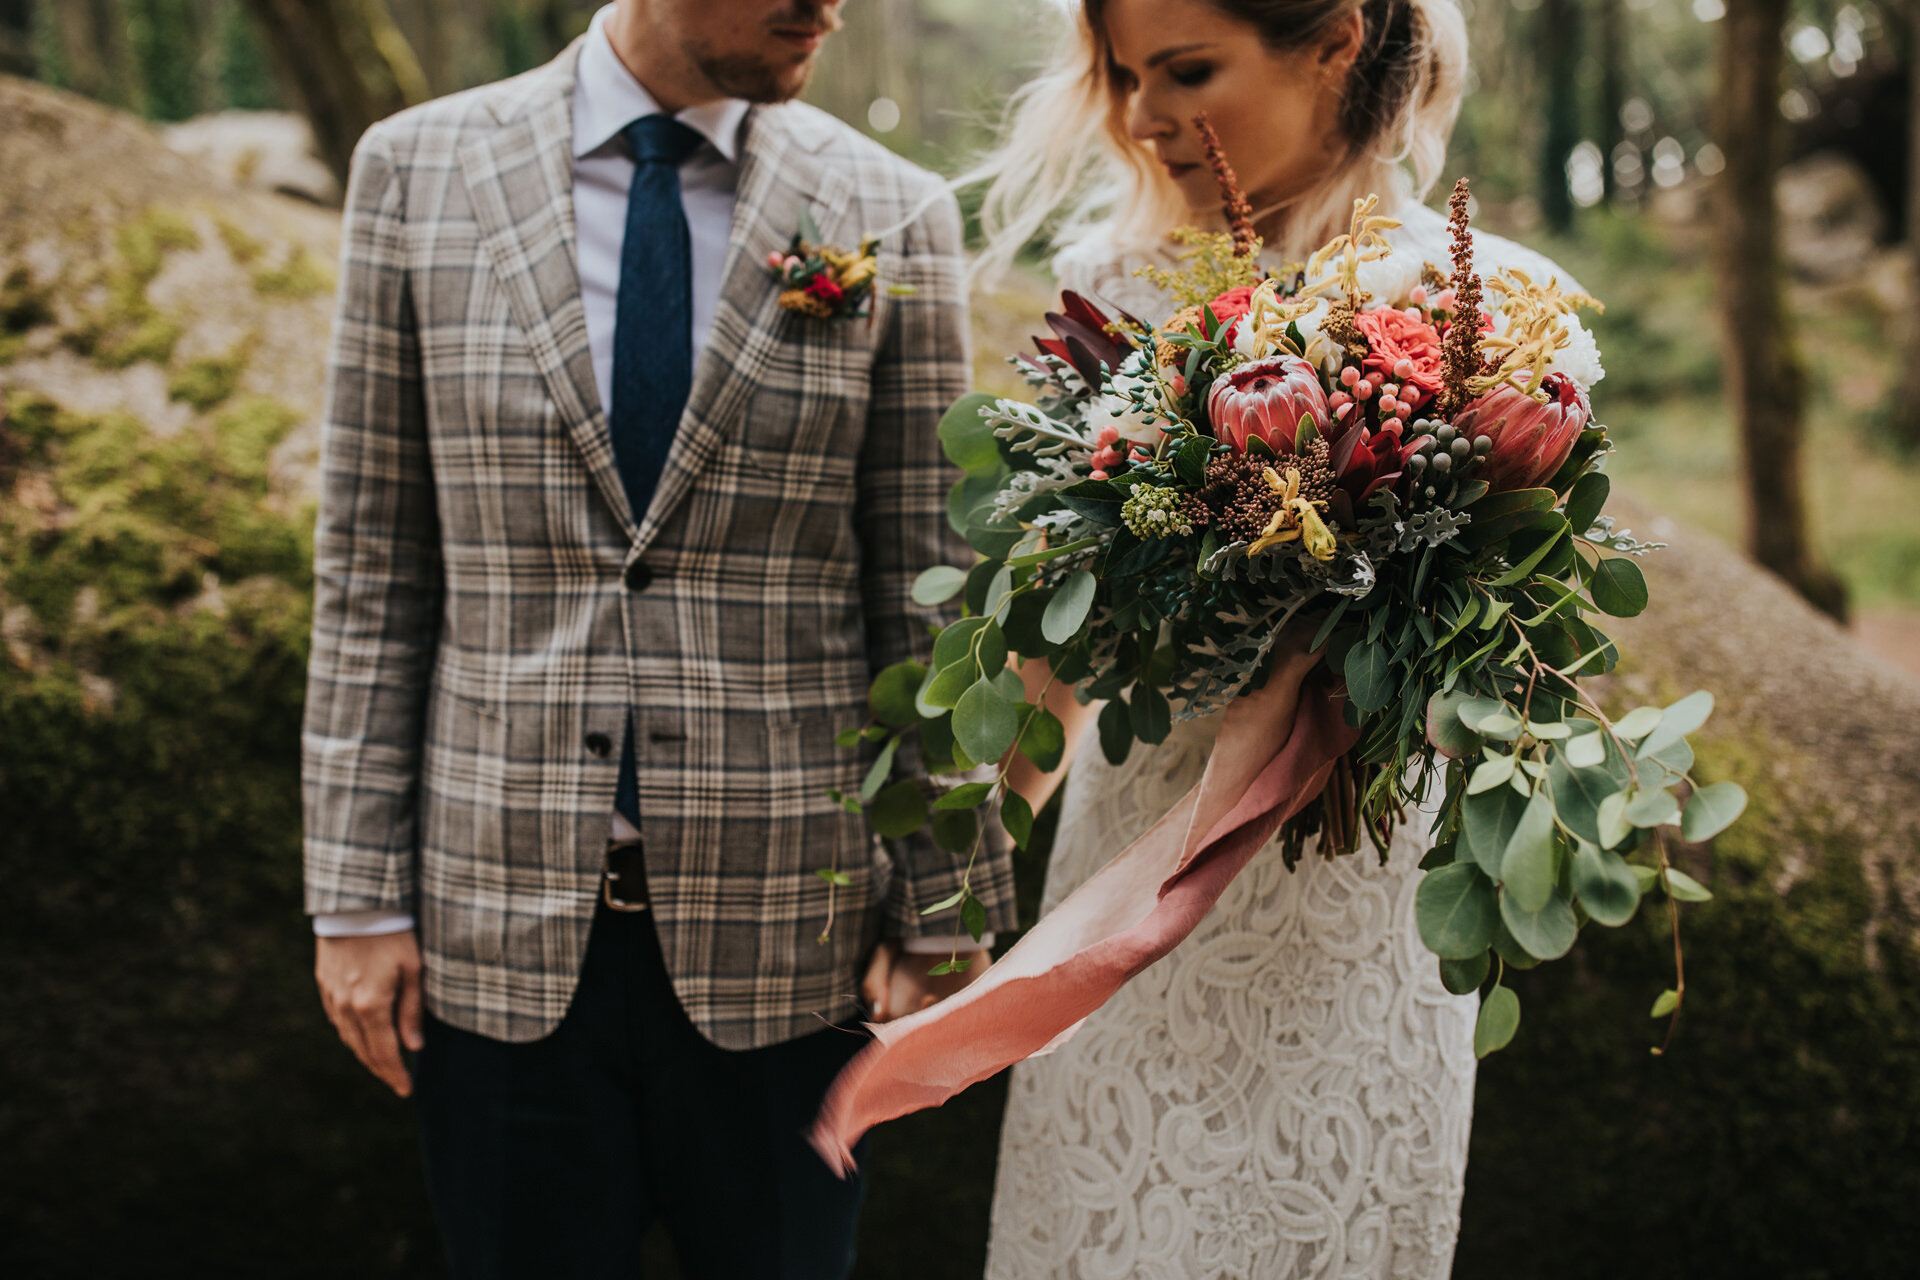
1676 722
1464 976
1490 774
998 589
984 722
1455 910
1589 495
1527 866
955 831
1712 810
891 696
1585 750
1618 587
966 438
1612 820
1490 820
938 584
1472 711
1653 809
964 796
1369 671
1044 741
1016 815
1637 724
1152 715
1444 729
1499 1019
942 689
1116 732
1685 887
1605 885
880 771
1547 934
1068 608
898 811
973 917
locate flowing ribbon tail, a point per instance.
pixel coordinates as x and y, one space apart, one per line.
1274 753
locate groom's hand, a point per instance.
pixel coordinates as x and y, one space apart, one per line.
897 982
367 985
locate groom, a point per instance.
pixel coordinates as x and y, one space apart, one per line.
610 544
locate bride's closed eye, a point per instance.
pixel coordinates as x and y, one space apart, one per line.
1192 75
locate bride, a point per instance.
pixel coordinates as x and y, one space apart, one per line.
1289 1093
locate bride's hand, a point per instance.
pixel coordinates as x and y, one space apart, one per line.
897 982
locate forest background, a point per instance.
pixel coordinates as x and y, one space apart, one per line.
1736 178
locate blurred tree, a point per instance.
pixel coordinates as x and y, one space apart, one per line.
16 38
168 43
1557 30
1768 382
88 41
348 62
247 81
1907 404
1611 41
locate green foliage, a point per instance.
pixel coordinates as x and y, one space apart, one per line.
297 276
1776 1136
127 328
166 37
167 1068
208 382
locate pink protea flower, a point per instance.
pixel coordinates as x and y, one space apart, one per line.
1266 398
1530 439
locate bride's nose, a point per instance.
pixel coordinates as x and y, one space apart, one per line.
1147 124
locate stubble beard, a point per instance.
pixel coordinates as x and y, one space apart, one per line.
752 78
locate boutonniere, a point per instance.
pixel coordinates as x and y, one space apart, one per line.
825 280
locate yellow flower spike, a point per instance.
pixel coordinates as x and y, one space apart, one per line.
1321 544
1279 529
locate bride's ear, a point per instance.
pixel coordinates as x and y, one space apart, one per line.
1341 47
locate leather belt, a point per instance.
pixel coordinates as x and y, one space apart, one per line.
624 887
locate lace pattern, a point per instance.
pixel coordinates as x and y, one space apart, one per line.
1286 1095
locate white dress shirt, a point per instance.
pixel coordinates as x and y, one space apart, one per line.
606 99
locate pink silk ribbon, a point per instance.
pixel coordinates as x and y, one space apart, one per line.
1273 755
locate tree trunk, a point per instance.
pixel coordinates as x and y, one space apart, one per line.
1613 69
93 48
314 45
16 37
1559 35
1763 372
1906 408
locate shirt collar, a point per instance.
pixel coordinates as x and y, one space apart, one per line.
607 99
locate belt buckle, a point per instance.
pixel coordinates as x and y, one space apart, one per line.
617 851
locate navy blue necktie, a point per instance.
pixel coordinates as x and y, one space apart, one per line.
652 340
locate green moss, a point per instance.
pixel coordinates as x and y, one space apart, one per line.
299 276
207 383
127 328
243 247
1778 1135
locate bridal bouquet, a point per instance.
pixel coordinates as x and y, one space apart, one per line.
1399 466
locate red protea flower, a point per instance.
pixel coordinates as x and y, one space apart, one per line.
1530 439
825 288
1365 461
1266 398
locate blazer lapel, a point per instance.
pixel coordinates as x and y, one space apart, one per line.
781 174
520 181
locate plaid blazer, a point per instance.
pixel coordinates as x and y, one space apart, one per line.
488 607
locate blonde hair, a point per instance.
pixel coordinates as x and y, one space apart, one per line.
1066 169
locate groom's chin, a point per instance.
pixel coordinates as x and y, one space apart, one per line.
756 78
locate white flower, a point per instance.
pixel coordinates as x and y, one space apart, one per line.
1391 279
1580 358
1121 407
1249 342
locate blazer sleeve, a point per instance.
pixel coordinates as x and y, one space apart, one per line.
922 366
377 569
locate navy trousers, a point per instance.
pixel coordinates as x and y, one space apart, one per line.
553 1159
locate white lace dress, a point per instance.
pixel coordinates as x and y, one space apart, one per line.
1289 1093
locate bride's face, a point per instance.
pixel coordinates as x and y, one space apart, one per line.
1276 112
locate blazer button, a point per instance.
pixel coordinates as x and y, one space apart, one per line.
600 744
639 577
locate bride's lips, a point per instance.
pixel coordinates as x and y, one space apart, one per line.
803 39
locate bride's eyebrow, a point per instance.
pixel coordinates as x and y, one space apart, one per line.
1175 52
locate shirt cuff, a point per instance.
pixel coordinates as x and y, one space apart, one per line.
934 945
360 924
